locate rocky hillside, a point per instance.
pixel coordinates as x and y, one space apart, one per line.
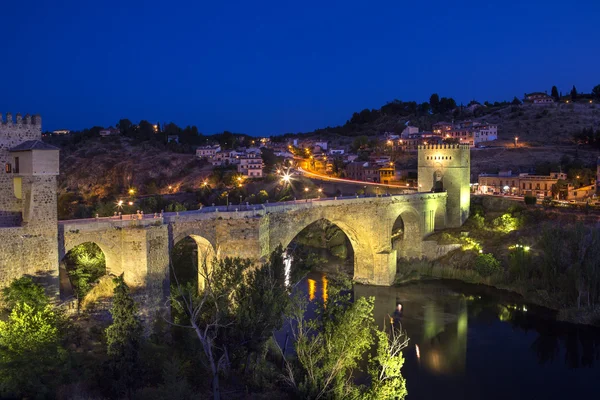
100 168
540 125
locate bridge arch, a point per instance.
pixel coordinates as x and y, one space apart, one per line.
94 255
363 257
206 252
406 233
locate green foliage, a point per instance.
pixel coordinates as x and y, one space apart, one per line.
30 351
387 381
478 221
506 223
24 290
329 347
520 263
487 265
173 207
261 304
530 200
85 264
123 337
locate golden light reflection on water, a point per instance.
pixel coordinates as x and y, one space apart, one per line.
312 288
324 289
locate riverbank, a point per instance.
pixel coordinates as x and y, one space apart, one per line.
423 270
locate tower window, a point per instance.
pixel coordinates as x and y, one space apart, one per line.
16 165
8 168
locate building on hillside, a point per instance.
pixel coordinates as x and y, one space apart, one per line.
412 143
173 139
519 184
61 132
363 171
538 98
440 128
323 144
336 152
581 193
109 132
251 165
207 151
409 130
387 175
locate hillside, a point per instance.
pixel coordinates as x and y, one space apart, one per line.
533 124
100 168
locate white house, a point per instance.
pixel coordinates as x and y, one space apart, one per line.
207 151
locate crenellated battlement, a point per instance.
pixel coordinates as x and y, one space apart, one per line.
444 146
36 119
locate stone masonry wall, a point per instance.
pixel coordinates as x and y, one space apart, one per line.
13 133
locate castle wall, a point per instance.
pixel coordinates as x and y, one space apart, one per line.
28 225
13 133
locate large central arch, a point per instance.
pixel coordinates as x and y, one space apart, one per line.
361 246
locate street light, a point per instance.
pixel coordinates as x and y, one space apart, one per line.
285 178
516 141
132 191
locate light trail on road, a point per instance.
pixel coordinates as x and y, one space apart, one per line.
341 180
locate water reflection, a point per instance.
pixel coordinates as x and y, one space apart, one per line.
467 339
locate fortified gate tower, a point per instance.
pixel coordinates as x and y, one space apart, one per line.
28 220
446 167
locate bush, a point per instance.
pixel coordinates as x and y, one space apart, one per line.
477 221
506 223
530 200
24 290
487 265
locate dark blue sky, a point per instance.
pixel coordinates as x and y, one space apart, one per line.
268 67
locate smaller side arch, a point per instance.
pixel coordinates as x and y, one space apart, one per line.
407 234
207 253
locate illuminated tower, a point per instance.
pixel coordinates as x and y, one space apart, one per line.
447 168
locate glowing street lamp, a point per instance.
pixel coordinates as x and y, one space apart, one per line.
516 141
306 189
205 184
285 178
130 203
132 191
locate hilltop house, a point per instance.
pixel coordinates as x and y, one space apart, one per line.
109 132
207 151
251 165
538 98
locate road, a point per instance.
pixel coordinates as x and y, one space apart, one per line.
332 185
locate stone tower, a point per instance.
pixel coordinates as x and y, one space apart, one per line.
447 168
28 219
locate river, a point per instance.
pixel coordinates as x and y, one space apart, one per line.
474 342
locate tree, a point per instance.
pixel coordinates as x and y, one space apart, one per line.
596 92
210 312
554 93
487 265
123 337
30 351
125 126
434 102
515 101
24 290
262 302
384 369
145 131
573 93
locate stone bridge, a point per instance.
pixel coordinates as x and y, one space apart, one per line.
140 248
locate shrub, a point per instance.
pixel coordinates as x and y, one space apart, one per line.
24 290
530 200
487 265
506 223
477 221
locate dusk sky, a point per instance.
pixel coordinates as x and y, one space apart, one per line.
269 67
